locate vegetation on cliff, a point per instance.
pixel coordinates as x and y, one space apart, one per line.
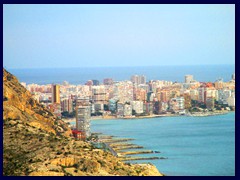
37 144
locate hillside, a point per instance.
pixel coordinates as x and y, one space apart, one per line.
37 144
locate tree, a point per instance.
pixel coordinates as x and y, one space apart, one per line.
69 115
106 107
134 112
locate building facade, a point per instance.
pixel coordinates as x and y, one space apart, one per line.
83 114
56 93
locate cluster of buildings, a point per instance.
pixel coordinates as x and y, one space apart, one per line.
134 97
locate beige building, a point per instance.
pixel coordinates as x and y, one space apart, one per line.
56 93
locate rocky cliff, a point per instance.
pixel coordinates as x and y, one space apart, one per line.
37 144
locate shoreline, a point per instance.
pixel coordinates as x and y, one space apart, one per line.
196 114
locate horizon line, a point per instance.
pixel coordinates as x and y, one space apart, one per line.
114 66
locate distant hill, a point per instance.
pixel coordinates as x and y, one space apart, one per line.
37 144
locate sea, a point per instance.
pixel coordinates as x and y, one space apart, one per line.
202 73
193 146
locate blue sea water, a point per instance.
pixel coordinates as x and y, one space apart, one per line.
194 146
81 75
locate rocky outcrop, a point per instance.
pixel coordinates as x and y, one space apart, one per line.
18 104
35 143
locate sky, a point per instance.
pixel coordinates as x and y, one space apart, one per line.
58 36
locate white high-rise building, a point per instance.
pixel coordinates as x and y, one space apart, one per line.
127 110
83 114
137 106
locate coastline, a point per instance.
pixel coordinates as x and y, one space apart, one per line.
195 114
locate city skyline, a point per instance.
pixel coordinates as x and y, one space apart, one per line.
58 36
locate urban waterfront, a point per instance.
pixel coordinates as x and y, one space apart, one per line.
193 145
119 90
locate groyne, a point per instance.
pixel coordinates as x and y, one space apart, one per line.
120 148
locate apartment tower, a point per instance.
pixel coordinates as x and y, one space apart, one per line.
56 93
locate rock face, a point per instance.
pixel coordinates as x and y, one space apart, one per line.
18 104
37 144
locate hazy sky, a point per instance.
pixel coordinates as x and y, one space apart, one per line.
39 36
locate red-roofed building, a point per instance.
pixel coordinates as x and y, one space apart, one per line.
79 135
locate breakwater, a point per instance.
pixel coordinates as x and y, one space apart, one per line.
120 148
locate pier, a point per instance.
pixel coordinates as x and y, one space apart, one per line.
140 158
136 152
128 147
117 146
116 140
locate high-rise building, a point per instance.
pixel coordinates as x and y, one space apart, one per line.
148 108
127 110
188 78
201 94
137 106
210 103
83 114
142 79
56 93
134 79
120 109
233 76
231 101
187 101
177 104
99 95
82 101
138 79
123 91
194 94
67 105
164 96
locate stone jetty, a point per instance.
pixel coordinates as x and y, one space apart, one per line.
117 146
128 147
140 158
136 152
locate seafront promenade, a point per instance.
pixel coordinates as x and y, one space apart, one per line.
195 114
